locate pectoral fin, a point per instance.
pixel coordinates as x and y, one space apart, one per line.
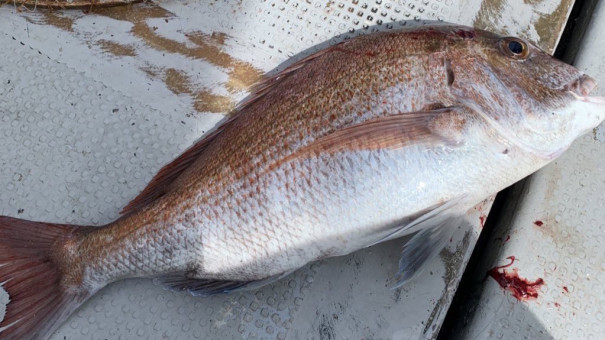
391 132
426 219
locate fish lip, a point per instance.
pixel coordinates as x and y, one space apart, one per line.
581 86
589 99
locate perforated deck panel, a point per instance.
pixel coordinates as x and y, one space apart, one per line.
92 105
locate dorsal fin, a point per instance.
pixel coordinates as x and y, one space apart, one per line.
270 82
162 180
160 183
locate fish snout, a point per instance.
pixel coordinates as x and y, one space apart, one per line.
582 86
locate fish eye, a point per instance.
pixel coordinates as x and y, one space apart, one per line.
514 48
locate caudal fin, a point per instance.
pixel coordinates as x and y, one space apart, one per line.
30 274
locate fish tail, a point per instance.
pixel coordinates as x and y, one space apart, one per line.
32 275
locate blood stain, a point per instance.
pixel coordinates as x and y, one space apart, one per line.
507 238
482 220
539 223
557 305
522 289
565 289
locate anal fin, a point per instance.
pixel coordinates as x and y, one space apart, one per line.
206 287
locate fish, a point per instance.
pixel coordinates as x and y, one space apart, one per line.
379 136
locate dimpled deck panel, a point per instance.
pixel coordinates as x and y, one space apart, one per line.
93 104
558 235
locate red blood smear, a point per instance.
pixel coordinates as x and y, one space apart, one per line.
507 238
539 223
482 220
512 260
557 305
522 289
565 289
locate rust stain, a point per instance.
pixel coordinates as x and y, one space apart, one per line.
63 23
550 25
203 101
208 47
241 77
135 13
488 15
218 37
50 18
152 72
202 39
177 81
116 48
208 102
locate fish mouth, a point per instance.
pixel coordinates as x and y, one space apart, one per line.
581 87
594 100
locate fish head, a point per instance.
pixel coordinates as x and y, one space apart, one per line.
533 99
